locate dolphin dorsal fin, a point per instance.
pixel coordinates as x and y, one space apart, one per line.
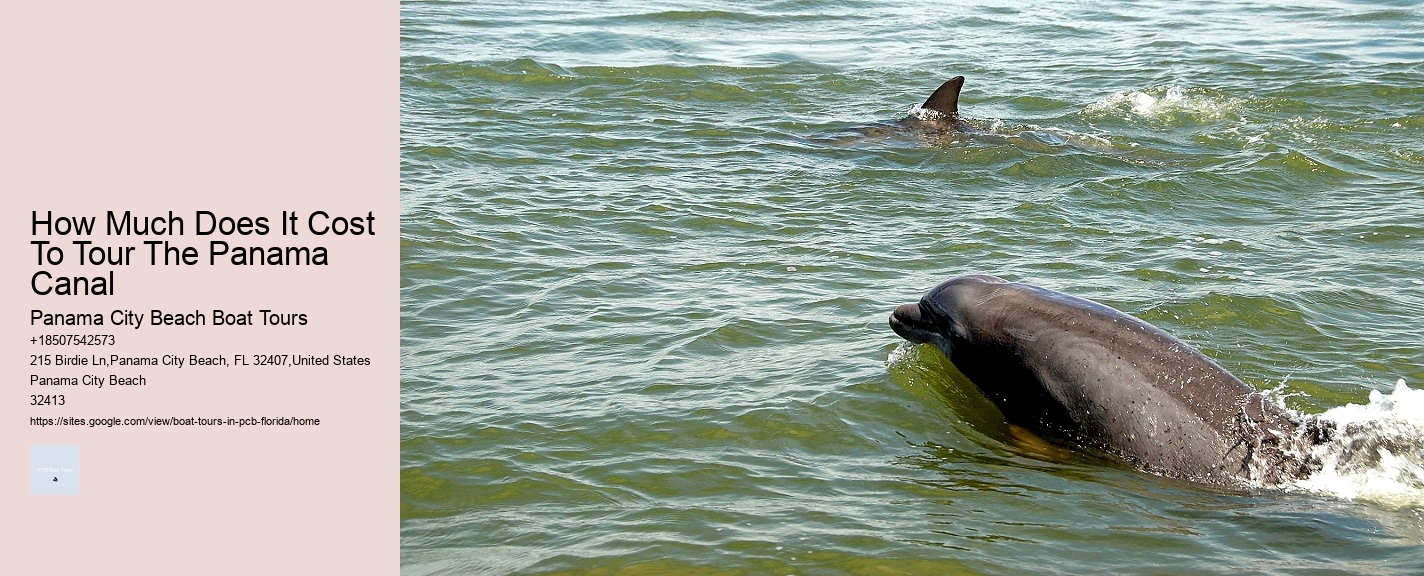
945 100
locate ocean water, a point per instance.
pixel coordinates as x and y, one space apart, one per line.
649 250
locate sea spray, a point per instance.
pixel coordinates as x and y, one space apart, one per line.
1377 453
1172 103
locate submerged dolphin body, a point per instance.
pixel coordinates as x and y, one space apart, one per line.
1084 373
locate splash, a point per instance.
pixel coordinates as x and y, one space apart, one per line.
926 115
1169 103
903 353
1144 104
1377 453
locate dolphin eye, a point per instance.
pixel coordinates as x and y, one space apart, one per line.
934 316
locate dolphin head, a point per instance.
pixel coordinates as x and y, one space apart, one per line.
943 316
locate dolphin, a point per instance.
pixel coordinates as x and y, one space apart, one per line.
937 122
935 119
1082 373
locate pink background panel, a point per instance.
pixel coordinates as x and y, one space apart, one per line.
242 109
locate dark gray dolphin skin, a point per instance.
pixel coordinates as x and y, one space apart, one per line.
1077 371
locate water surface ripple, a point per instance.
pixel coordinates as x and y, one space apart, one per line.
649 250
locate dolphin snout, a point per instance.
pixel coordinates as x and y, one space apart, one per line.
907 321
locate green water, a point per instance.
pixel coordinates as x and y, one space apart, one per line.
649 251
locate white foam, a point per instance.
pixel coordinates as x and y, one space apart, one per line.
1170 100
926 114
1142 103
1377 453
